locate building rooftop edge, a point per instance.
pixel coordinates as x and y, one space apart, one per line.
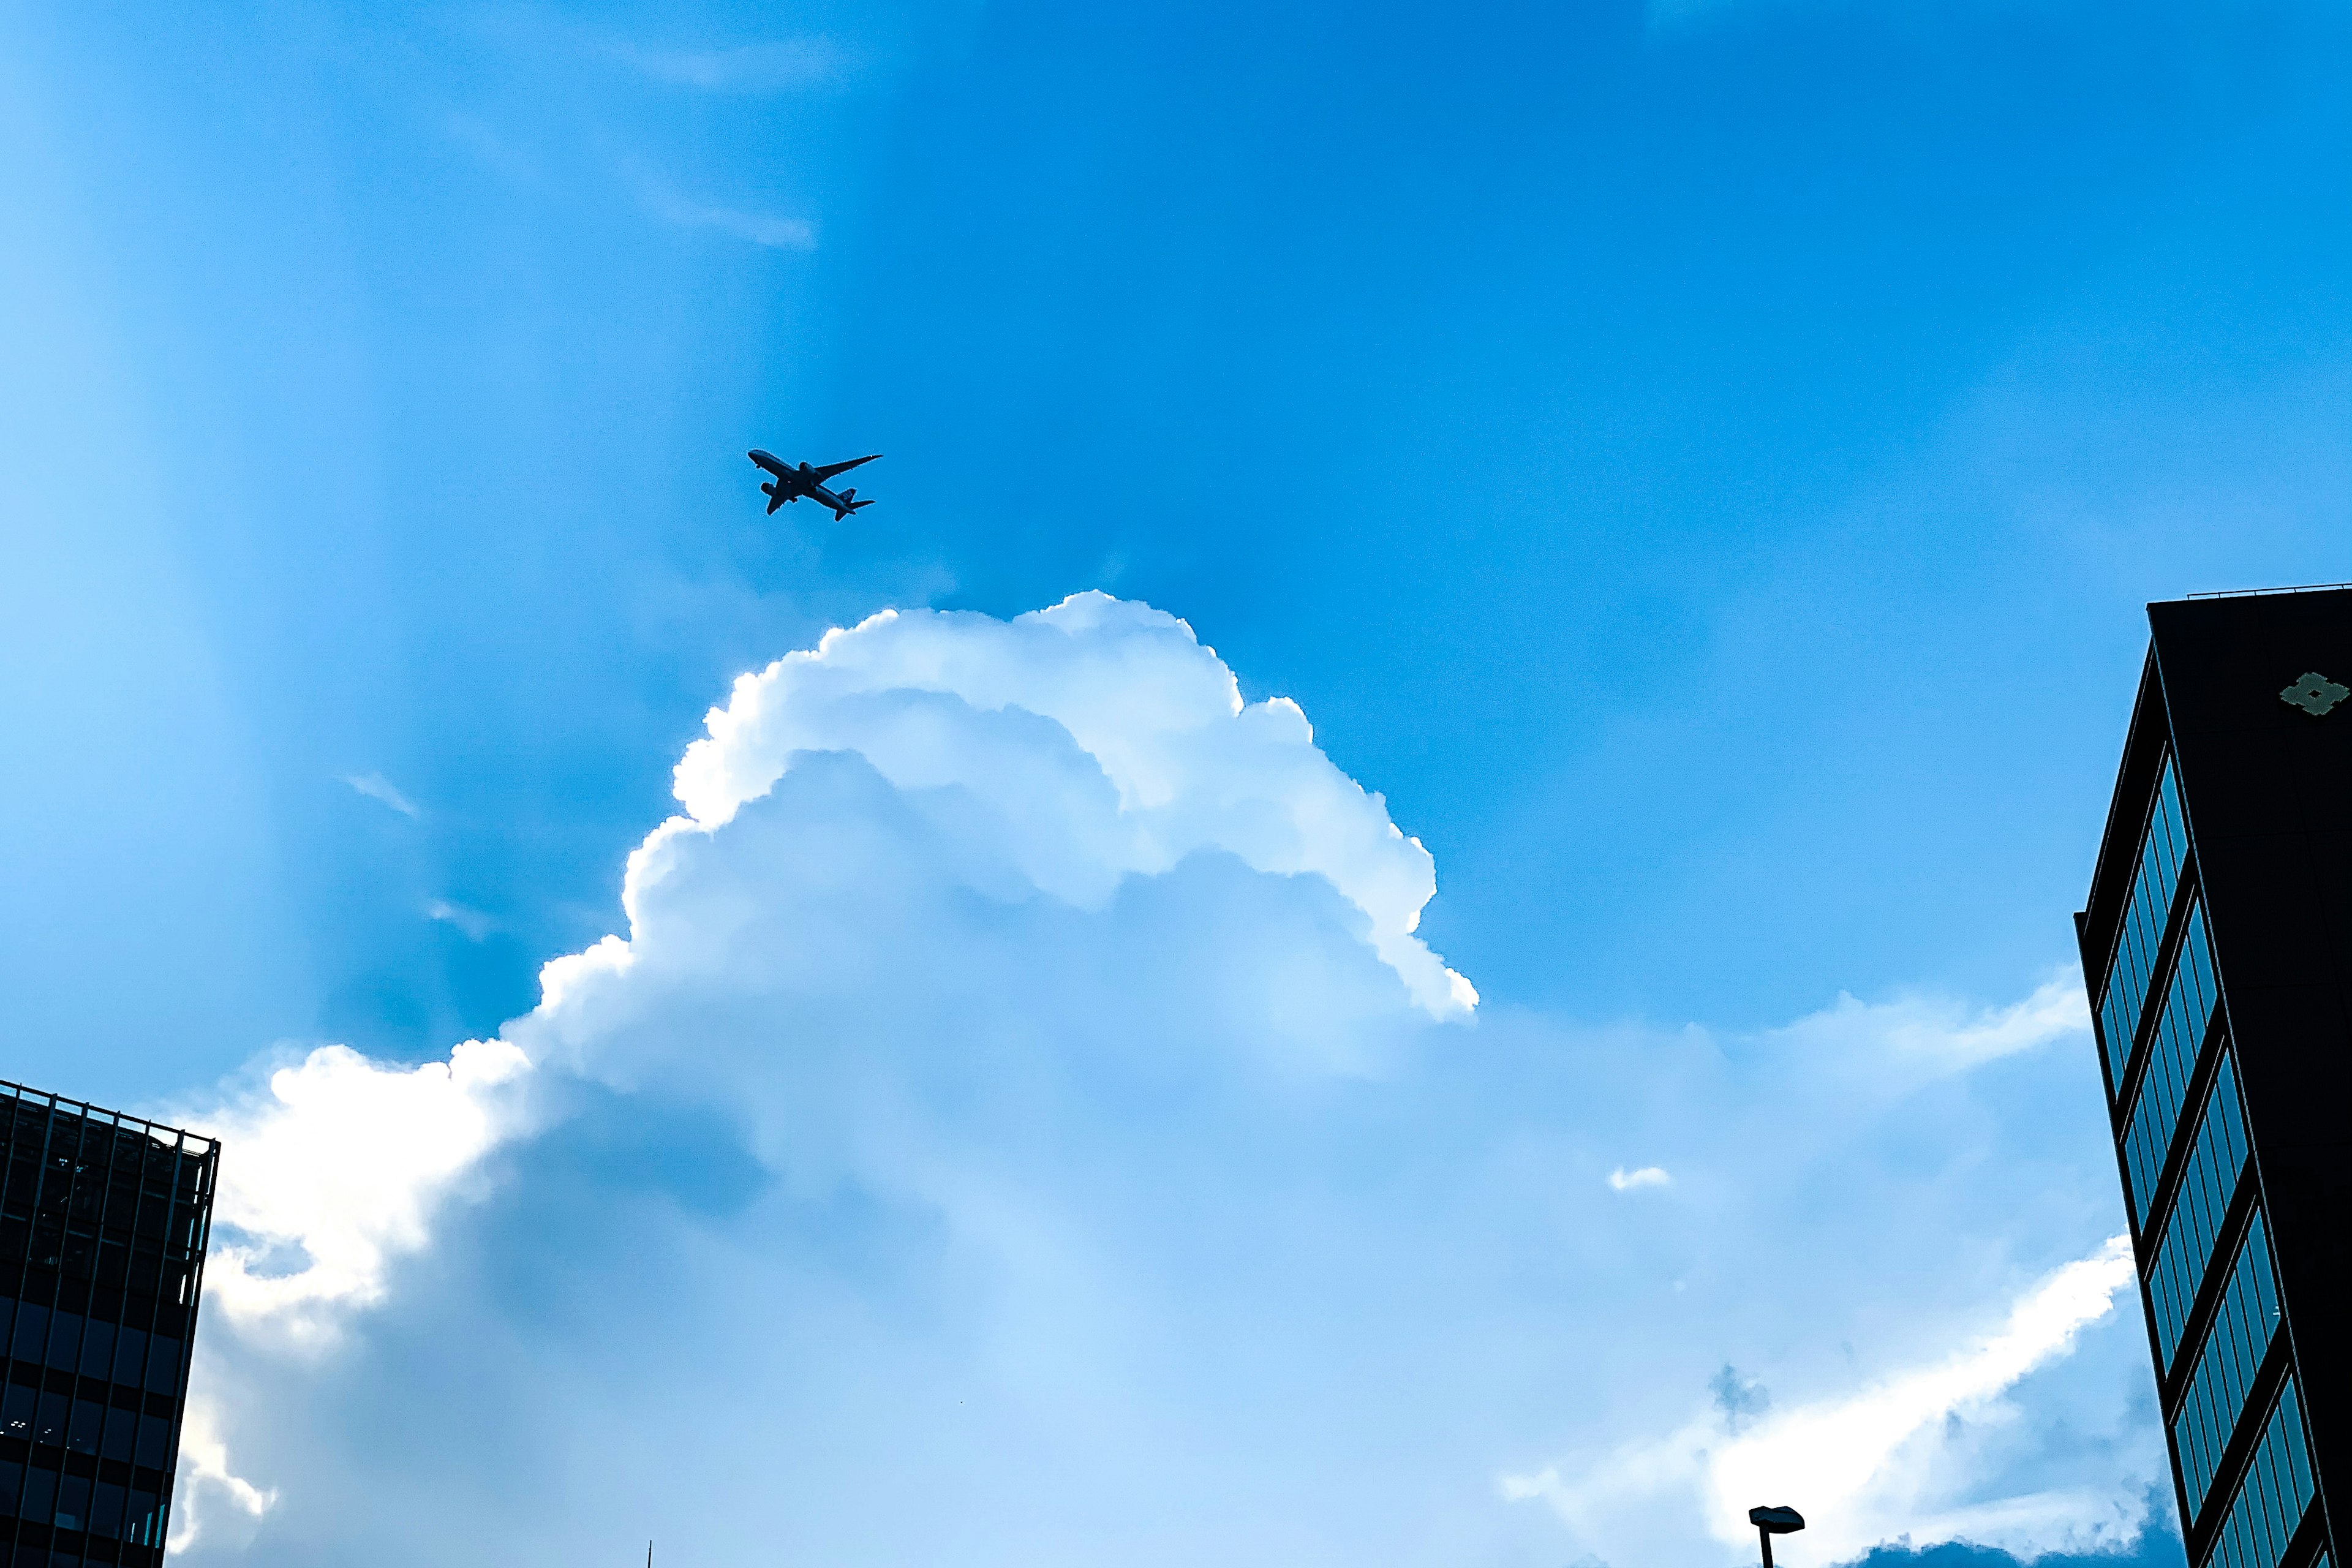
11 1090
2254 593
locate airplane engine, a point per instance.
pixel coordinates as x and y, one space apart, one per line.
768 490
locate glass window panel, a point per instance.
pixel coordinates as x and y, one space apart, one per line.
164 1365
65 1341
106 1510
49 1421
130 1356
154 1441
140 1522
12 1482
32 1329
16 1409
84 1426
121 1432
73 1502
40 1499
97 1349
2272 1468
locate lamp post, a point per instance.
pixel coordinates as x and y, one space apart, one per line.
1772 1521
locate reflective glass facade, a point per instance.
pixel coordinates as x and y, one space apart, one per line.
2183 1188
2217 949
2171 1055
2164 847
103 1222
2235 1343
2184 1251
2273 1496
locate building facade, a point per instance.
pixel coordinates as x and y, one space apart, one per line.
2217 945
103 1222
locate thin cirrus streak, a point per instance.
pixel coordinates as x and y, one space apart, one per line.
768 230
380 789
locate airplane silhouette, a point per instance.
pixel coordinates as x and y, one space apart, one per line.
792 483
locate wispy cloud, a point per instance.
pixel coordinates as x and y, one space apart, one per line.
774 67
1622 1180
1916 1040
378 788
1875 1463
494 152
747 67
669 204
473 923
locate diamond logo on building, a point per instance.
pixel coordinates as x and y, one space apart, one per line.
2315 694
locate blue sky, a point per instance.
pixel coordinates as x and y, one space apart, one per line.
1700 464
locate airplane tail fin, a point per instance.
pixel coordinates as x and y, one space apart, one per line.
848 506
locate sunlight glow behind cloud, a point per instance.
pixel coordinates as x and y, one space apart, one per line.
337 1170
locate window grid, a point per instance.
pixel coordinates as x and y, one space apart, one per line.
2163 848
2186 1247
2240 1334
2172 1059
2272 1497
103 1223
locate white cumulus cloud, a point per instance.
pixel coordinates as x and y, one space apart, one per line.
1148 754
334 1172
1017 1079
933 837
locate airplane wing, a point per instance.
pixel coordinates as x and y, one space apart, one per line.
830 469
769 461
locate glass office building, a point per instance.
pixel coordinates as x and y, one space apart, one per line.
104 1220
2217 944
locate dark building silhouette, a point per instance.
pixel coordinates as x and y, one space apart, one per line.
2217 944
104 1220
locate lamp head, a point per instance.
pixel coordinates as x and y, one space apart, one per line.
1782 1521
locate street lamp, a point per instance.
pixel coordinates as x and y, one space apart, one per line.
1772 1521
